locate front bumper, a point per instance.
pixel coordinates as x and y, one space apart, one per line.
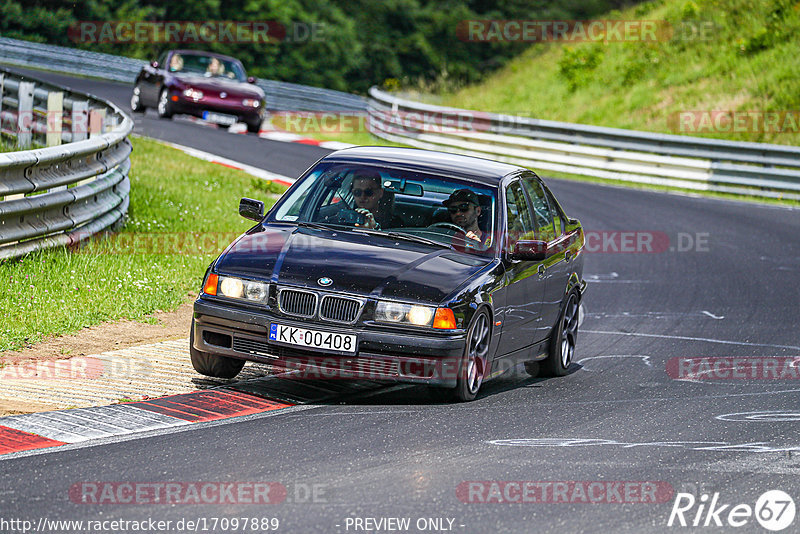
381 354
196 108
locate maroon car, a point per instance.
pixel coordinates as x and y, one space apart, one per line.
207 85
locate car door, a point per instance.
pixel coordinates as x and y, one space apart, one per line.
549 227
523 284
151 81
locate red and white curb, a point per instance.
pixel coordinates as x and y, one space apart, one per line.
51 429
269 133
287 137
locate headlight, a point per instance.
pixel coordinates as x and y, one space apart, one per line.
194 94
396 312
251 102
236 288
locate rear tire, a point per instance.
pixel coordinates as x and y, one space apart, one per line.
164 108
136 101
212 365
563 339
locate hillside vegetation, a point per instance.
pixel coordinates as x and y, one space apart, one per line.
348 46
743 57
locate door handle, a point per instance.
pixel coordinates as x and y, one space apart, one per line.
568 256
541 270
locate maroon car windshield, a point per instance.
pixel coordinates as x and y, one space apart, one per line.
206 65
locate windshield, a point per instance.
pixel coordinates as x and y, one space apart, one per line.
445 211
209 66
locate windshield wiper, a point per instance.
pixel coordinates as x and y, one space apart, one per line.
316 226
401 235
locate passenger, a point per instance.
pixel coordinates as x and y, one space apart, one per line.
464 209
372 201
215 68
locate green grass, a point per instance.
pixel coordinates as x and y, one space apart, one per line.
746 63
183 212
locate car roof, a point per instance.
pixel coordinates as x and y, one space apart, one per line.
479 169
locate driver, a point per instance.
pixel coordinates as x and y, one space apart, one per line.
464 210
368 192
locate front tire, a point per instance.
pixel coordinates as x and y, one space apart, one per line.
254 126
473 364
136 101
212 365
164 105
563 339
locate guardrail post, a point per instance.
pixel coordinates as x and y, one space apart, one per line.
80 120
96 119
55 114
25 115
2 90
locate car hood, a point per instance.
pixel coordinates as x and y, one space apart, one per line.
216 85
368 265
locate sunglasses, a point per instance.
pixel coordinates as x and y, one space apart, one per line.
365 192
463 208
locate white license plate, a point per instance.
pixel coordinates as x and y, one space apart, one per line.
219 118
302 337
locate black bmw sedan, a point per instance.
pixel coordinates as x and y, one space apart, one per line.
402 265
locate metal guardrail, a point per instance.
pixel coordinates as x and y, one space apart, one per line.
756 169
280 95
63 193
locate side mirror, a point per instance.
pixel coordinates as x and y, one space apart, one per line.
251 209
251 79
154 64
529 250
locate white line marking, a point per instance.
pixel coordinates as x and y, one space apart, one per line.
645 359
764 416
712 315
707 340
718 446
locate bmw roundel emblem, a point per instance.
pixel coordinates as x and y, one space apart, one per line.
223 94
325 281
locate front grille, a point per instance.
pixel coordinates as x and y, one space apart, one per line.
295 302
340 309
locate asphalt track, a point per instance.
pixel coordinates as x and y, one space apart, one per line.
622 415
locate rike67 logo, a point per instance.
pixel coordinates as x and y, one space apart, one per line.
774 510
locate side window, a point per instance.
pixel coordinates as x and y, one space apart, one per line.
559 218
162 61
520 225
542 216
